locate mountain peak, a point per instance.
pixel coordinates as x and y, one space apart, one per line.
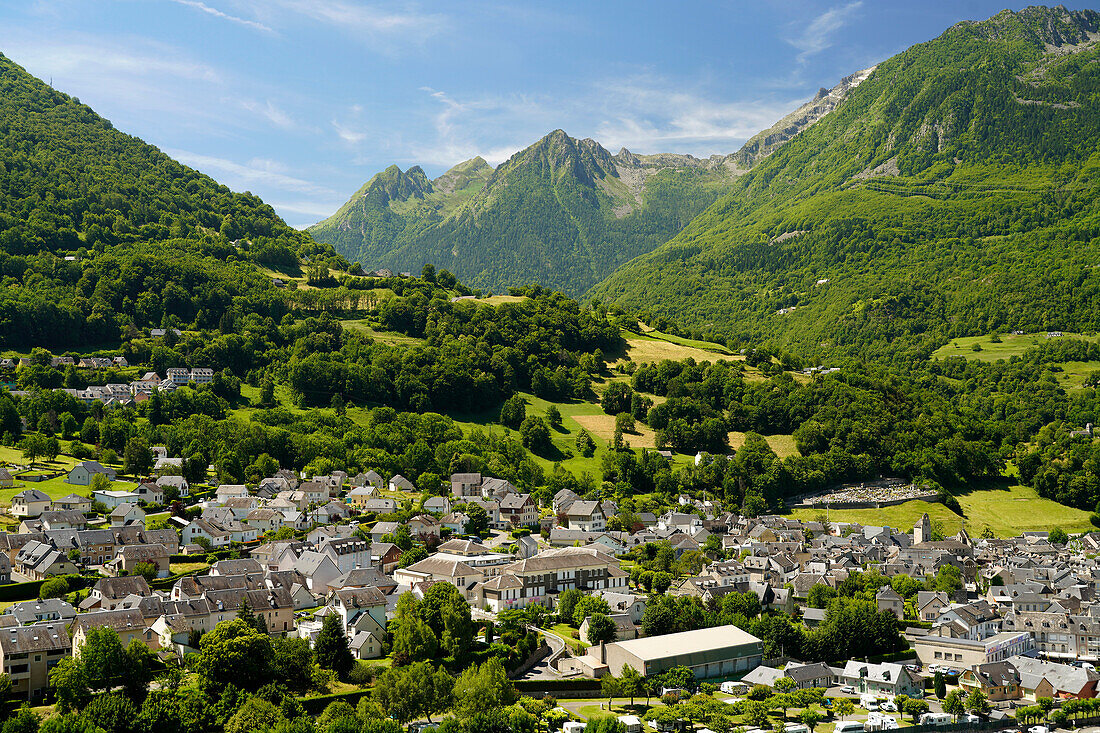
1044 27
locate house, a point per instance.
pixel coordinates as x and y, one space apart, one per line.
518 510
366 645
128 623
108 593
400 483
424 527
29 503
213 533
585 515
81 474
38 560
371 478
997 680
348 553
886 678
360 495
624 628
437 505
465 485
28 653
150 493
318 569
930 604
73 502
45 609
129 557
888 600
264 520
112 499
54 520
128 513
6 480
380 505
350 603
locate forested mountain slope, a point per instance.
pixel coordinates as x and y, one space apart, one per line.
954 191
563 212
152 242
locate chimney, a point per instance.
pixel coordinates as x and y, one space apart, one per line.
603 653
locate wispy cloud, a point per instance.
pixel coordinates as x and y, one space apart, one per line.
270 112
256 171
818 34
401 20
650 113
348 134
224 16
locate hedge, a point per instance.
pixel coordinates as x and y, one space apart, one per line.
562 686
29 591
894 656
317 705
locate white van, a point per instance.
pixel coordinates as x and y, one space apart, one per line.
849 726
796 728
935 719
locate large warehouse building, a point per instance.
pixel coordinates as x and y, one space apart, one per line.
717 652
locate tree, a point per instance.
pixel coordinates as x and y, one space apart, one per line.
331 648
939 685
553 416
567 604
53 588
70 683
256 714
810 718
585 444
843 707
291 661
616 398
588 605
784 684
137 458
33 446
611 688
914 708
100 482
234 653
978 703
955 704
413 641
631 681
24 720
102 656
535 435
483 688
137 670
412 556
756 712
147 570
477 520
410 692
1057 536
513 412
112 712
601 629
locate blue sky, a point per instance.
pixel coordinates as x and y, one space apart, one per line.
301 101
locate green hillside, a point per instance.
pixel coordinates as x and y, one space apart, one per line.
100 232
953 193
564 213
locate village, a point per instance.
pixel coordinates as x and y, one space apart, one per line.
1021 624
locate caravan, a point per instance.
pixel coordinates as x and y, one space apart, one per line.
935 719
849 726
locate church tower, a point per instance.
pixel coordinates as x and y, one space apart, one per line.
922 531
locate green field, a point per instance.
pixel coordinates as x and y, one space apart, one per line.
1010 345
389 337
1006 511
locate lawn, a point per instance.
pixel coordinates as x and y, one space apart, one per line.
1007 511
186 567
1010 345
782 444
389 337
656 346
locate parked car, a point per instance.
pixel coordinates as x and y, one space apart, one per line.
888 707
848 690
1038 729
